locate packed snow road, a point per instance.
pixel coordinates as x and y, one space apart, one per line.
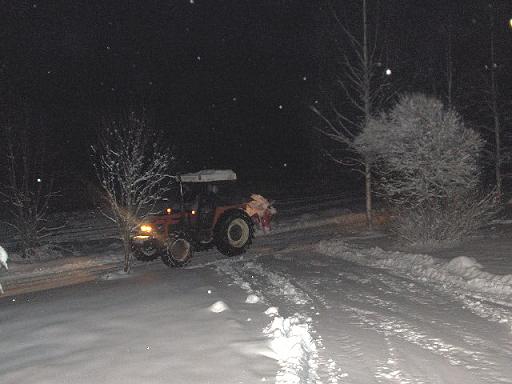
282 313
367 326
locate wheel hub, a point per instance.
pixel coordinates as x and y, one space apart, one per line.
235 233
238 233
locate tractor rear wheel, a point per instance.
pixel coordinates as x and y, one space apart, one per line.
234 233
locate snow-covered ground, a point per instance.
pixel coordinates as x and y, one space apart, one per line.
308 304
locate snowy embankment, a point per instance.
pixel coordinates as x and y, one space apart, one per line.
462 272
462 276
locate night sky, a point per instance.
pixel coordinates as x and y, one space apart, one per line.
228 82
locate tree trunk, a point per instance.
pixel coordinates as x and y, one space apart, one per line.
496 114
497 137
368 187
367 102
449 68
127 250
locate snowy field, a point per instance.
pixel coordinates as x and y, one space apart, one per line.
308 304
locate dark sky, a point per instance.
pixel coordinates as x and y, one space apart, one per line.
228 82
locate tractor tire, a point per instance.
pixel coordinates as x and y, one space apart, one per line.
234 233
147 251
178 252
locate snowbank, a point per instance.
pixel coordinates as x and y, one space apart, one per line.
461 272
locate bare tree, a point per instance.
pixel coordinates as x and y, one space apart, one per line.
363 86
27 188
133 169
493 105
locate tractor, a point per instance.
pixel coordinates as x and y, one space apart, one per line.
203 214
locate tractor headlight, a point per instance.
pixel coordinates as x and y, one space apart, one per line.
146 228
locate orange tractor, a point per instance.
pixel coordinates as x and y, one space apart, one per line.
202 215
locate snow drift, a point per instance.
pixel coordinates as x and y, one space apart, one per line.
461 272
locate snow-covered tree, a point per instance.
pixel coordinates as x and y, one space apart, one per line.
134 171
428 165
27 183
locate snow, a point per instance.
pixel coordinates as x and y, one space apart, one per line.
218 307
486 294
272 311
318 300
133 333
252 299
3 258
294 348
460 272
3 263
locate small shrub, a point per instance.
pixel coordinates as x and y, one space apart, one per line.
444 221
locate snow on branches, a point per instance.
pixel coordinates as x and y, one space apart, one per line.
425 151
134 172
428 166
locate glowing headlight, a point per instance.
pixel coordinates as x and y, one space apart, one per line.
146 228
168 210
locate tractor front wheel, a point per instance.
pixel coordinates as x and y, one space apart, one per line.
178 252
147 251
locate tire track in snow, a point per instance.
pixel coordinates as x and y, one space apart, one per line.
379 305
377 302
486 295
292 337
